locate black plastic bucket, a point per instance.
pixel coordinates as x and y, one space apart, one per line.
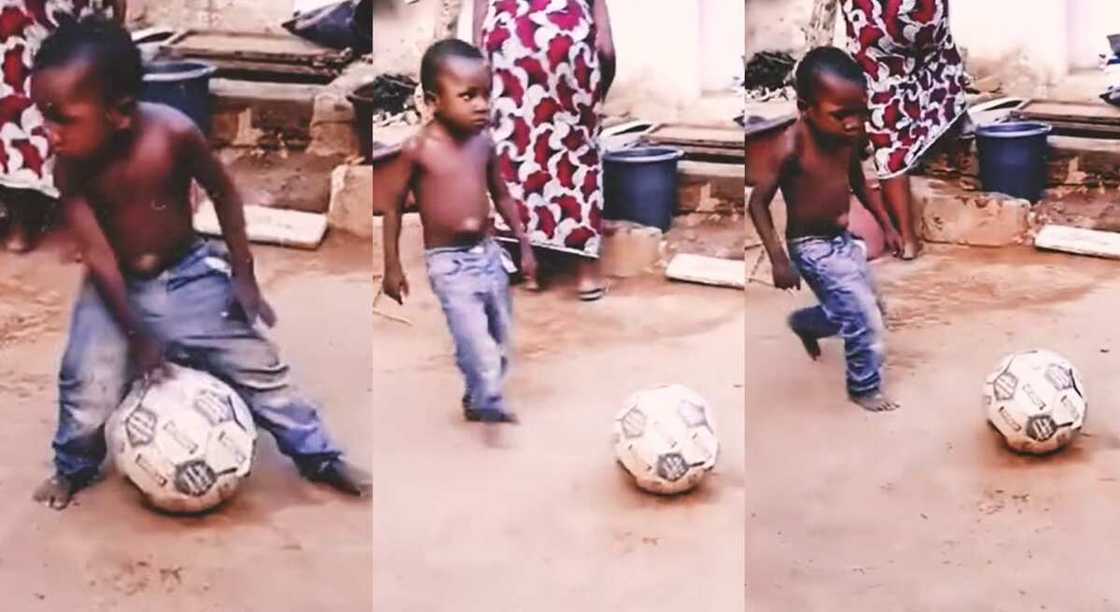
640 185
182 85
1013 158
362 99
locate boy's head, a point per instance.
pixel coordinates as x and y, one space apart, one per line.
456 82
86 79
832 93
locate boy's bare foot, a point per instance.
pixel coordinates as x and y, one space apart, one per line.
875 401
343 476
55 492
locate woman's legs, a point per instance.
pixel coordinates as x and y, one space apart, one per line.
590 279
899 201
25 216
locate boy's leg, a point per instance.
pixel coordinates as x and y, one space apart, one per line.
92 381
810 325
841 280
205 329
463 291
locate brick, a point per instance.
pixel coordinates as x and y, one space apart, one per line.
629 249
265 115
953 215
351 204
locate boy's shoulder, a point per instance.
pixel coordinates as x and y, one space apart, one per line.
163 121
774 148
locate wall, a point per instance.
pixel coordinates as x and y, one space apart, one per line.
1028 49
670 51
246 15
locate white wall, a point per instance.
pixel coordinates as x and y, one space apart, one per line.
1090 21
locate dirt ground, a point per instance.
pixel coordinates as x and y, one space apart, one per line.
923 509
281 545
544 520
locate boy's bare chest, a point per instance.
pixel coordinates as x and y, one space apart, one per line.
153 181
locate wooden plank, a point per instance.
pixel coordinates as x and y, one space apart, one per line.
1064 112
290 228
1080 129
1079 241
697 135
252 45
708 270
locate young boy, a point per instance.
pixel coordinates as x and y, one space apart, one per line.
449 166
815 162
154 291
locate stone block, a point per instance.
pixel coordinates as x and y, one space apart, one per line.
351 204
708 187
629 249
953 215
261 115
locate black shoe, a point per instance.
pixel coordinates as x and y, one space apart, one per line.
341 475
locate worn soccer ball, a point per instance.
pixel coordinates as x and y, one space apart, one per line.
665 438
1036 400
186 442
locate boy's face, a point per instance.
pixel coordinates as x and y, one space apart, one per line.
840 108
78 118
463 96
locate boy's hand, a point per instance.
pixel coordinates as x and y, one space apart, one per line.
528 262
247 295
148 355
785 276
892 241
395 284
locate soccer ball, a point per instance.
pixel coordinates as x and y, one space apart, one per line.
186 441
1036 400
665 438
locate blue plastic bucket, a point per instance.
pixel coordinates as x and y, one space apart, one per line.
640 185
183 85
1013 158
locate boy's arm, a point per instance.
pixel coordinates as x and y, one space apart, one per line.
874 205
212 175
389 192
508 210
769 177
105 272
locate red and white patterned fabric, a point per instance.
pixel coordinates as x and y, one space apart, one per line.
546 118
915 73
25 156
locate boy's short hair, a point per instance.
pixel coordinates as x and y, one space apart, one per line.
435 57
116 60
825 60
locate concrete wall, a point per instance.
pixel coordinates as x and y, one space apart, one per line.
246 15
670 51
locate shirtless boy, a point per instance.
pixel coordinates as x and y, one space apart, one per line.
154 291
450 167
815 162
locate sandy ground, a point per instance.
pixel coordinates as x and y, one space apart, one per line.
281 545
545 521
923 509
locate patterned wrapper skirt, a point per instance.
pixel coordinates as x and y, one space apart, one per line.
915 73
25 154
546 118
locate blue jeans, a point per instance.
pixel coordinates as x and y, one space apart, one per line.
473 289
188 308
837 272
